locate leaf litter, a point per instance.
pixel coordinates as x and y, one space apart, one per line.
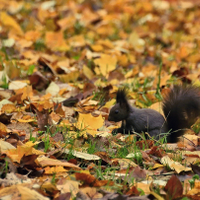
61 63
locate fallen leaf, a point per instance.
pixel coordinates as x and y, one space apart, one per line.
27 194
106 63
44 161
166 161
174 187
9 21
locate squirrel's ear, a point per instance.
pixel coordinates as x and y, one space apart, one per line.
121 97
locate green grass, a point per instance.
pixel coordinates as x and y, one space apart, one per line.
31 69
5 82
192 181
39 45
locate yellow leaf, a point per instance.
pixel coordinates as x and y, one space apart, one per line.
89 121
98 82
157 165
31 144
26 120
72 76
20 151
88 72
97 47
10 22
174 165
157 106
145 187
90 54
56 169
196 83
132 58
137 43
97 71
27 194
106 43
92 132
77 41
27 92
110 103
123 60
37 152
17 154
106 63
114 82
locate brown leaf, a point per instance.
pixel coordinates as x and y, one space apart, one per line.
20 126
115 196
156 151
58 137
88 89
116 74
64 196
133 191
90 180
91 192
5 118
137 173
29 161
145 143
182 73
104 156
71 101
43 119
101 143
38 81
174 188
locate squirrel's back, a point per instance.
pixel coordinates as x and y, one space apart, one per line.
181 107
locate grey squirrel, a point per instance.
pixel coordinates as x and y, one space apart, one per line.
181 107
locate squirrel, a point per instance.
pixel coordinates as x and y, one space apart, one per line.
181 108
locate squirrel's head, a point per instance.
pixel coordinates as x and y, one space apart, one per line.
121 109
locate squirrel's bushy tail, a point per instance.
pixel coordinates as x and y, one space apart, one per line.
181 107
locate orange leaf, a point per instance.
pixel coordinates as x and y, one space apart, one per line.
55 41
8 21
8 108
3 130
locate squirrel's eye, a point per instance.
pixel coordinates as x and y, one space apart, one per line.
116 111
